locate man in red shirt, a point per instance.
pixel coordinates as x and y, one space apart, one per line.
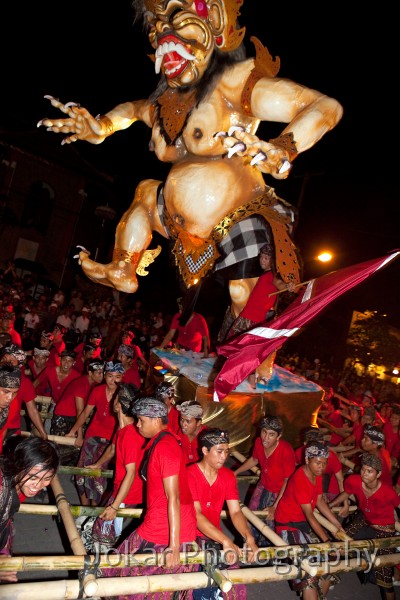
14 356
169 524
10 381
56 379
165 392
192 335
190 426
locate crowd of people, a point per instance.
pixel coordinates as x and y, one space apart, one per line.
166 460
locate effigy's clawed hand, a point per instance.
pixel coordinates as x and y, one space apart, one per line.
265 156
78 125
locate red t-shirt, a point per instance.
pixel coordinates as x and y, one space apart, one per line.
103 421
190 336
173 419
277 467
54 359
165 461
259 302
190 448
378 509
299 490
79 387
212 497
49 378
129 449
26 393
333 466
391 438
132 375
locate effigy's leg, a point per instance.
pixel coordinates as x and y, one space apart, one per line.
133 235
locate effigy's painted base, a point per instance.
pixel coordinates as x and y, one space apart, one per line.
291 397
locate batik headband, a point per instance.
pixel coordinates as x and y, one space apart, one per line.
370 460
16 351
10 377
41 352
125 350
165 390
375 434
188 409
316 450
215 436
113 367
274 423
127 394
150 407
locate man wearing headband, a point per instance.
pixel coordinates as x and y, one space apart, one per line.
37 362
333 477
10 381
375 517
99 432
294 516
169 524
71 404
94 339
57 345
373 442
130 356
14 355
190 427
212 484
165 391
56 379
276 461
83 358
128 448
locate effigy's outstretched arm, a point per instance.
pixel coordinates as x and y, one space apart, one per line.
81 125
309 116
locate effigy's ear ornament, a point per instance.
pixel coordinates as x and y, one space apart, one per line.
223 16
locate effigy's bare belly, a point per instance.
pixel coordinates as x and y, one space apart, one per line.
200 192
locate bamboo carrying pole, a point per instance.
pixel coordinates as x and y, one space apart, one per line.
43 399
67 470
241 458
77 547
115 586
58 439
271 535
94 511
121 561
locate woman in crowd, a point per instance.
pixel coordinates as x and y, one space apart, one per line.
26 470
99 432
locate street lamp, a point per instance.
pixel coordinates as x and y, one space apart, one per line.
324 256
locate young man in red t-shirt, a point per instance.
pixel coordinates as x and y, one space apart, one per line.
190 427
169 524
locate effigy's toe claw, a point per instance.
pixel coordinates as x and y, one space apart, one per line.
84 249
241 147
234 128
259 157
220 134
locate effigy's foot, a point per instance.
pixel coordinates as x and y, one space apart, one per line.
118 274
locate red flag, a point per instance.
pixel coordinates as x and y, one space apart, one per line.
247 351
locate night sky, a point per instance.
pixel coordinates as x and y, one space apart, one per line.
345 187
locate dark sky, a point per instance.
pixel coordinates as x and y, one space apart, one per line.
345 187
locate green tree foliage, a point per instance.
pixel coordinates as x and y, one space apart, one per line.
372 340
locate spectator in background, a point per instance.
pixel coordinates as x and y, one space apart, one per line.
57 345
94 338
48 316
7 320
32 318
65 318
59 298
83 321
